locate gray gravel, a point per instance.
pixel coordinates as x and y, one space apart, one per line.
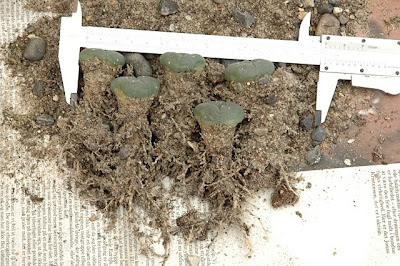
168 7
314 156
308 3
45 120
37 88
335 2
124 152
35 49
325 8
263 81
328 25
272 99
318 134
306 123
343 19
244 18
139 63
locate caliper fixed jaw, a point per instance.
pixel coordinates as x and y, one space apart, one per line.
68 53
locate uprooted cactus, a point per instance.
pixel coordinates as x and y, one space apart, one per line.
218 121
248 70
99 67
173 123
135 95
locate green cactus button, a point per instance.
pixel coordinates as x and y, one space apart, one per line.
219 112
110 57
248 70
179 63
140 88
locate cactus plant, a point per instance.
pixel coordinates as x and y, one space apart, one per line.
248 70
218 121
99 67
181 62
110 57
219 112
135 91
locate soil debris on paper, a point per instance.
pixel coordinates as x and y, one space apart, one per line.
267 146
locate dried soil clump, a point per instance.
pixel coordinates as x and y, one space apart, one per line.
120 160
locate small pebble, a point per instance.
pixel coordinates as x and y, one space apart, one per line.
347 162
335 2
302 15
139 63
263 81
351 141
244 18
325 8
308 3
45 120
124 152
238 87
318 134
306 123
314 156
55 98
37 88
271 99
168 7
327 25
343 19
337 10
35 49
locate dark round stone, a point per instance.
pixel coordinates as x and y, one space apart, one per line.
325 8
318 134
139 63
35 49
306 123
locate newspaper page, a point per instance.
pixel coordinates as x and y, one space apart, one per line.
348 216
345 217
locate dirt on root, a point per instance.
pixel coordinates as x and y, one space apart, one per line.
121 160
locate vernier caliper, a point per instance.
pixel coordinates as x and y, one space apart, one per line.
367 62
